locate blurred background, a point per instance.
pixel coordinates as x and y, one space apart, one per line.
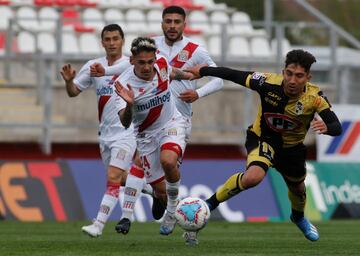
49 141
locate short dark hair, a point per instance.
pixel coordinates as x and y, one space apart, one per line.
143 44
112 27
300 57
174 9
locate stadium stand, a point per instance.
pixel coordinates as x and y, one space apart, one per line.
200 20
33 26
46 43
238 47
48 17
92 17
260 47
6 15
26 42
89 44
154 21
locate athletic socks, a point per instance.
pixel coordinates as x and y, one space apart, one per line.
172 191
108 203
134 186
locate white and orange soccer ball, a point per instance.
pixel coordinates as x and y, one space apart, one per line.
192 213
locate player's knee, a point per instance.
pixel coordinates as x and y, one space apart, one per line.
168 164
250 179
116 176
297 188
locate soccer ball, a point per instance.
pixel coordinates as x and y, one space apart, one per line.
192 213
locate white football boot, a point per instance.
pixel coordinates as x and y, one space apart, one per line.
93 230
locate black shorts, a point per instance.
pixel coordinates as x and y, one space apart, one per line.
290 162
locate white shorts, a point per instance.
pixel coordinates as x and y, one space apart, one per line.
118 153
172 137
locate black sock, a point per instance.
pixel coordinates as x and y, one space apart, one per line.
297 215
212 202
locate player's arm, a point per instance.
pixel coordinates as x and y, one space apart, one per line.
126 116
128 96
236 76
213 85
68 74
329 124
98 70
178 74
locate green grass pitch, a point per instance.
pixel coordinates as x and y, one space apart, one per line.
218 238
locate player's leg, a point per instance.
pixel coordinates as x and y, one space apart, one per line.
159 199
297 196
169 157
260 158
172 147
117 155
291 165
132 191
108 202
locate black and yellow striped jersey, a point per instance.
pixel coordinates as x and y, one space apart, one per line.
281 118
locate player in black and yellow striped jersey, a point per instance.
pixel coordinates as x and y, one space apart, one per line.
286 112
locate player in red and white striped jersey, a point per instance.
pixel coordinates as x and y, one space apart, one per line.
117 144
159 127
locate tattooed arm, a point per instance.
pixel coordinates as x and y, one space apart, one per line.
178 74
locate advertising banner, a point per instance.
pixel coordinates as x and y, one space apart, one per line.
73 189
346 147
327 185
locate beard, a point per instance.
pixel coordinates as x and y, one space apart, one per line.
173 39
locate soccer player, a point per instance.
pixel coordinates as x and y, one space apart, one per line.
181 52
117 144
288 105
159 127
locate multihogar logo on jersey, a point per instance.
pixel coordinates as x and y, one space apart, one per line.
107 90
344 143
154 102
280 122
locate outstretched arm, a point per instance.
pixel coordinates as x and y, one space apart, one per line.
236 76
178 74
68 74
128 95
98 70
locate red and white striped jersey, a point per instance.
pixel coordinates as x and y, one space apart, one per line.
183 54
154 105
110 127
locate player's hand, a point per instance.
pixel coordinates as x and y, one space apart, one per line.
126 94
189 96
67 73
195 70
97 70
318 126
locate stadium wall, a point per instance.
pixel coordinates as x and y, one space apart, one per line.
69 184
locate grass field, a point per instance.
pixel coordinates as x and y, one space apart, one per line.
218 238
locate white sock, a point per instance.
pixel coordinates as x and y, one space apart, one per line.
172 191
147 189
106 207
132 191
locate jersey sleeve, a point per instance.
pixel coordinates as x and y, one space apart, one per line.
117 69
255 80
203 57
83 80
236 76
321 102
